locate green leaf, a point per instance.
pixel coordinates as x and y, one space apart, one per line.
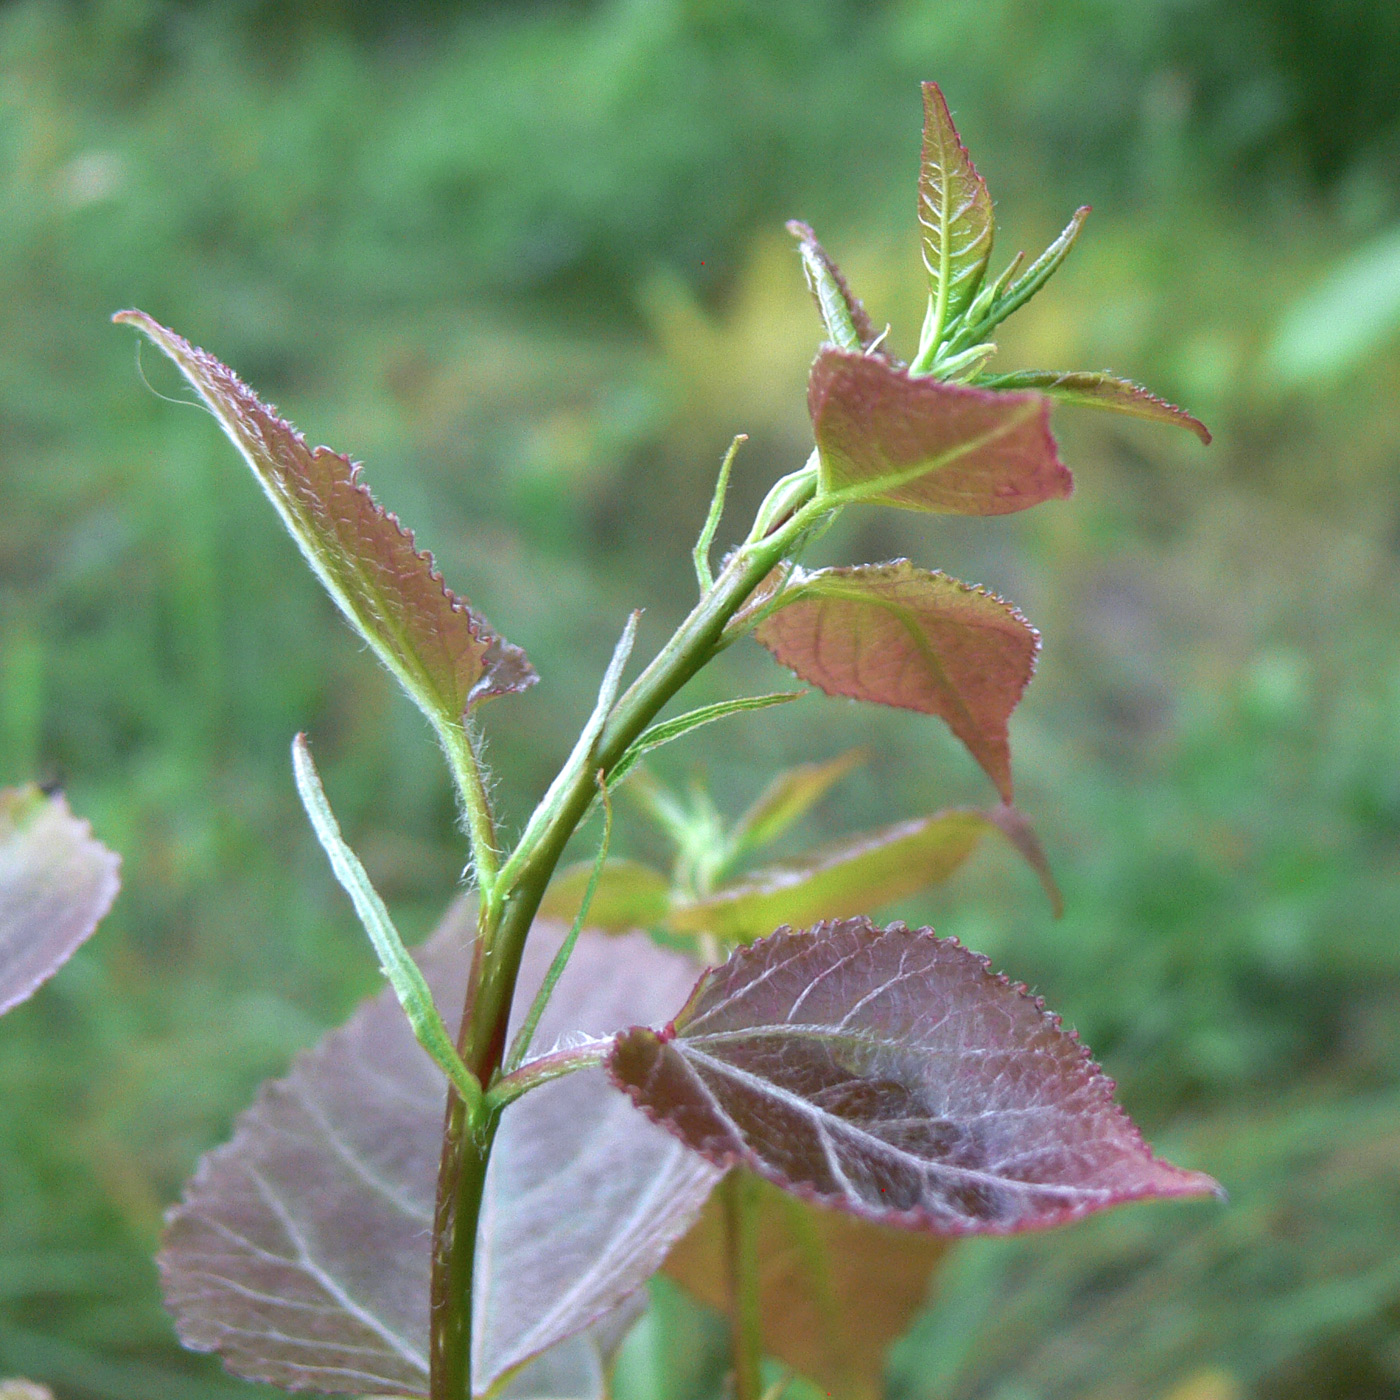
846 320
787 798
629 895
442 652
399 969
894 634
669 729
955 216
57 881
854 875
1034 277
1094 390
897 439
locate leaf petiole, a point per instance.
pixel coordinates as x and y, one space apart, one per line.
394 960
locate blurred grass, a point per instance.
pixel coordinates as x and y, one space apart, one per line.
526 261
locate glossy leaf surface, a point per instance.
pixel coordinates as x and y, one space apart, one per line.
301 1252
851 876
836 1290
56 883
789 797
891 1074
914 638
1093 390
956 225
444 654
846 319
900 440
629 895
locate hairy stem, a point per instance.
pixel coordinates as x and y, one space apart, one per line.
741 1256
506 925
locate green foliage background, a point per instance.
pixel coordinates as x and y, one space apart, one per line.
526 261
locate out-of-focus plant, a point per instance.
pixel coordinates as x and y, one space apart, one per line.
479 1218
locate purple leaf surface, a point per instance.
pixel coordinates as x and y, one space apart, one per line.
899 635
56 883
1093 390
444 654
890 1073
956 225
301 1251
900 440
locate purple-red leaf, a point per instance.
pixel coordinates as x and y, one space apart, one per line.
835 1290
853 875
56 883
900 440
1093 390
301 1252
444 654
899 635
955 213
891 1074
846 320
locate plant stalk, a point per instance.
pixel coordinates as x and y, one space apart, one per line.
741 1253
506 925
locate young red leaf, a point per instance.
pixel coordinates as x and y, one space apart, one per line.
850 876
899 635
1092 390
846 319
900 440
955 213
444 654
835 1290
56 883
787 798
629 895
302 1249
891 1074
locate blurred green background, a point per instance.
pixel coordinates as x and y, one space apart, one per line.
526 260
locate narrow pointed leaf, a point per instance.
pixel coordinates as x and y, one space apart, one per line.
1092 390
899 635
854 875
444 654
955 213
302 1249
891 1074
629 895
667 730
845 318
56 883
787 798
836 1290
900 440
1036 275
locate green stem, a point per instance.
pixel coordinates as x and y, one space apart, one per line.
458 745
506 925
741 1253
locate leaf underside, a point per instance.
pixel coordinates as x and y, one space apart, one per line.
956 223
913 638
1091 389
843 312
445 654
835 1290
302 1249
56 883
849 876
891 1074
895 439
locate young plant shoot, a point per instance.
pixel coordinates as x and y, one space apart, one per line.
389 1221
